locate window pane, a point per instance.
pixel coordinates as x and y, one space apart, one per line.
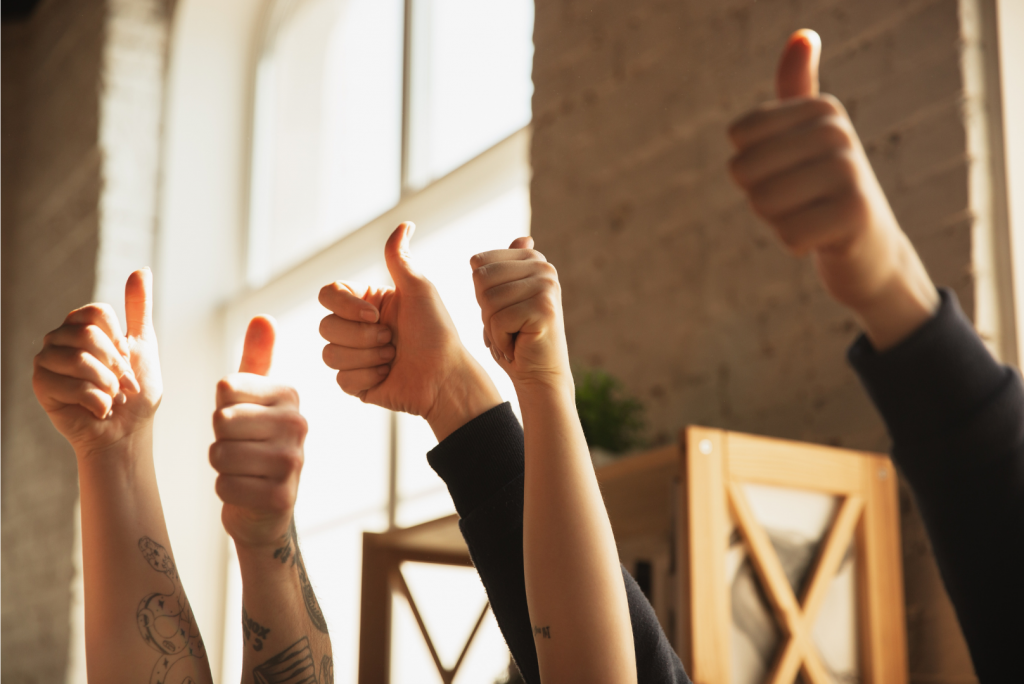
327 128
470 80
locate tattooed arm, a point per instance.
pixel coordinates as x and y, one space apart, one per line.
101 390
258 457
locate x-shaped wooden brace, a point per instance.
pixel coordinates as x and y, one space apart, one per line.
796 618
446 675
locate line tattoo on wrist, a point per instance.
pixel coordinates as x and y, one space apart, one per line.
289 549
253 630
167 609
542 632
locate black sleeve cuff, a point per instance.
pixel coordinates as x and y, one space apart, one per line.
480 458
936 378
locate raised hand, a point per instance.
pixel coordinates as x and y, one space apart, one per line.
258 454
97 385
397 347
521 307
805 172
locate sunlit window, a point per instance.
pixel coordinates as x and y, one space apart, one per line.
352 134
330 115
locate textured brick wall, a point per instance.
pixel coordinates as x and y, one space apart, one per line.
82 84
673 285
51 193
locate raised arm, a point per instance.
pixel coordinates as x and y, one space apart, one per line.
955 415
574 588
258 457
101 390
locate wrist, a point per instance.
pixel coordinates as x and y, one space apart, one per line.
555 384
467 392
125 453
906 301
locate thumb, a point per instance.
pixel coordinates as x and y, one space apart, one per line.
797 75
397 256
522 243
138 303
258 350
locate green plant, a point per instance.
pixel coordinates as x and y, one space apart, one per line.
611 421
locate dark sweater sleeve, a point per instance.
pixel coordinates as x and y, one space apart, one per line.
483 464
956 418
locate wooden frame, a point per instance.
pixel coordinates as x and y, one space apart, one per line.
715 464
438 541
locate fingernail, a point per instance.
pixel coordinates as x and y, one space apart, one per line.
383 370
384 336
369 315
120 398
387 353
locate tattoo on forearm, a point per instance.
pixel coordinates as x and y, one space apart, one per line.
294 665
327 670
290 549
542 632
253 630
165 619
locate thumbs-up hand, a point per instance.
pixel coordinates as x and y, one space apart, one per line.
397 347
258 454
803 168
97 385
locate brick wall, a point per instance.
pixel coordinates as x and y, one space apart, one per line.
82 84
673 285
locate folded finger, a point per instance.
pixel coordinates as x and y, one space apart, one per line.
346 359
492 275
338 330
249 388
93 340
791 149
505 325
254 422
774 117
351 301
103 316
255 459
484 258
81 365
356 382
791 190
58 391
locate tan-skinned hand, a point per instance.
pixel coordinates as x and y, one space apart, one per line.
397 347
805 172
97 385
521 308
258 454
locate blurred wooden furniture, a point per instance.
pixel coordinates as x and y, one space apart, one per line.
672 510
438 541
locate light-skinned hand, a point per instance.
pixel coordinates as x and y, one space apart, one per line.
258 454
521 308
97 385
397 347
805 172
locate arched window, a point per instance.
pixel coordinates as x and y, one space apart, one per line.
367 113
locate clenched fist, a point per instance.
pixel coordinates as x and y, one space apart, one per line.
521 307
397 347
97 385
258 454
805 172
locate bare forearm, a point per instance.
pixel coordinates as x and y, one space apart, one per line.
568 548
282 625
138 620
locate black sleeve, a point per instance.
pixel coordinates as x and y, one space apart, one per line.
483 463
956 418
